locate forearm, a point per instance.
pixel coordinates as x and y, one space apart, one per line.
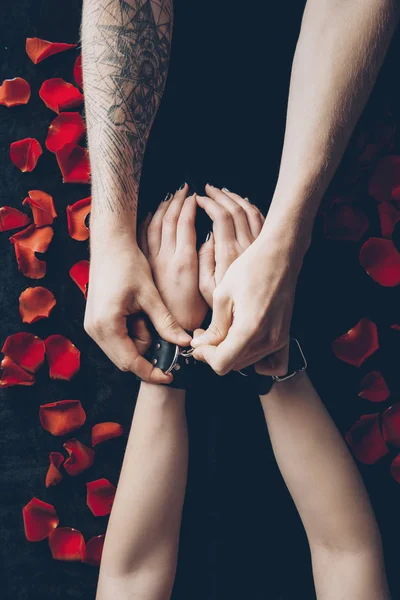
328 492
340 49
140 551
125 54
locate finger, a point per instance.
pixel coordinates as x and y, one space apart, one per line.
222 358
223 226
139 332
162 320
238 214
170 219
219 326
186 231
142 235
154 228
254 216
207 269
274 364
198 332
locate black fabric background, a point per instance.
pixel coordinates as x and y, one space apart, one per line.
222 120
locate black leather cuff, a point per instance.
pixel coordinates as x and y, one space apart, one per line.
171 358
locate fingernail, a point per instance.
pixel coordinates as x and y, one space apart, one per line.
210 185
182 186
207 236
167 197
226 190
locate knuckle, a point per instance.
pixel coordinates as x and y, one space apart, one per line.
170 218
218 296
237 210
123 365
219 368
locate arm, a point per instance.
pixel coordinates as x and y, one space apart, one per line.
140 551
328 492
340 49
125 50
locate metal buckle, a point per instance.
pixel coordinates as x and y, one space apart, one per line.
289 375
184 352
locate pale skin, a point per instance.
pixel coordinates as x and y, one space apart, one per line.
140 552
340 49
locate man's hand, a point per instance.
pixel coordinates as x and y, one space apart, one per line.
121 286
253 301
169 242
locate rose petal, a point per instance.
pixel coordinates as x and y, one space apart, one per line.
80 457
42 206
389 216
67 543
36 303
76 215
13 374
67 128
38 49
345 222
105 431
40 518
25 154
62 417
53 476
374 387
94 550
63 357
74 164
14 92
59 95
79 273
26 349
100 496
26 243
78 76
395 327
366 440
391 424
395 468
381 260
11 218
384 183
355 346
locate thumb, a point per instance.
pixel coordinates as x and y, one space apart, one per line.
219 326
275 363
163 321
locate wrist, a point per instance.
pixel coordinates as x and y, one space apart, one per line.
161 395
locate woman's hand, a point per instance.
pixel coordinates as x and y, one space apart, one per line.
254 293
169 242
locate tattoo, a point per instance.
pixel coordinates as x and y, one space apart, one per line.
125 50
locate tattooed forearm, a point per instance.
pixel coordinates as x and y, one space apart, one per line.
125 52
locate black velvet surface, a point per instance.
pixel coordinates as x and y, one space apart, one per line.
221 120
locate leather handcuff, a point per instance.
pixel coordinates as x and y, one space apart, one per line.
179 361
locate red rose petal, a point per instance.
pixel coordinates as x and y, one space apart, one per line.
14 92
100 496
53 476
384 183
38 49
381 260
26 349
13 374
26 243
74 164
36 303
63 357
40 518
79 273
345 222
395 468
11 218
94 550
76 215
59 95
78 75
374 387
389 216
395 327
62 417
25 154
80 457
67 543
355 346
105 431
67 128
42 206
391 424
366 440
